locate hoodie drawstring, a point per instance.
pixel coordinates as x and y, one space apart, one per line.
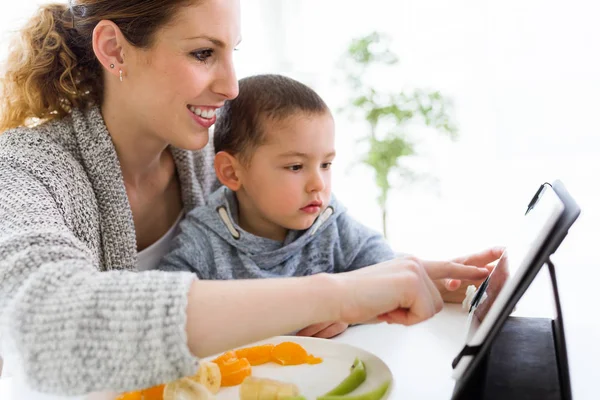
227 221
321 220
325 215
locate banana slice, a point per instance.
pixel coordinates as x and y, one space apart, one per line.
186 389
266 389
208 375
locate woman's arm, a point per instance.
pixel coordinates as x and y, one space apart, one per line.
78 330
226 314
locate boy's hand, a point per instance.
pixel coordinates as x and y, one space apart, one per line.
454 290
324 330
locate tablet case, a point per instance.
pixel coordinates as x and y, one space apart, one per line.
524 358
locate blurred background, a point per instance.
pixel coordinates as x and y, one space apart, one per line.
520 79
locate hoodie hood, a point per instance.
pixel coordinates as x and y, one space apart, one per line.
221 217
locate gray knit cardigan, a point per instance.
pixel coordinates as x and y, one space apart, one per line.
79 316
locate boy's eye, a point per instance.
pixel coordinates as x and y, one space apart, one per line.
326 165
297 167
203 55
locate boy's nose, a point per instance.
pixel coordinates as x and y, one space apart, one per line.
316 183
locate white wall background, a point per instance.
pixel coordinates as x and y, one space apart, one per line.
523 77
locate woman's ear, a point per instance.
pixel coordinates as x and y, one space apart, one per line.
228 170
108 43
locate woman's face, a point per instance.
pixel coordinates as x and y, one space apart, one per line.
175 87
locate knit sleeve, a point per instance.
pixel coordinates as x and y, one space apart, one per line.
75 329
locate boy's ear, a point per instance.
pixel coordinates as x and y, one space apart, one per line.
227 168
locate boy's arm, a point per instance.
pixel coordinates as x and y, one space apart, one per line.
360 246
190 249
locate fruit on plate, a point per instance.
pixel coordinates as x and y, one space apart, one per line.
153 393
187 389
236 365
290 353
357 375
375 394
256 355
234 371
225 357
130 396
209 375
267 389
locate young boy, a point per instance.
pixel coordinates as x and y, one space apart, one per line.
275 215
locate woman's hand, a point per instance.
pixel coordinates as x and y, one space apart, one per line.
454 290
398 291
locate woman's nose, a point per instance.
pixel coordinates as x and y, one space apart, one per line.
226 83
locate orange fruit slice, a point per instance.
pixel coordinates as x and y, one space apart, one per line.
235 371
256 355
153 393
289 353
313 360
225 357
130 396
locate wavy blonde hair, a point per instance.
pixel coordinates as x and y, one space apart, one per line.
51 67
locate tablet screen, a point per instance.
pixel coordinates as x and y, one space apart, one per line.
522 247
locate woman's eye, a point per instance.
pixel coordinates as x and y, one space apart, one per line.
294 167
203 55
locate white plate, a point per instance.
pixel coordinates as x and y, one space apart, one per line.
316 380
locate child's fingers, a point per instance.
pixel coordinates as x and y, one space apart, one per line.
452 284
332 330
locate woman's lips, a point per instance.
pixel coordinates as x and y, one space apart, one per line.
206 123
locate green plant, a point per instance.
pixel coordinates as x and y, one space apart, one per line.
389 115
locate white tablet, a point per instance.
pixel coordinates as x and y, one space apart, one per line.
549 215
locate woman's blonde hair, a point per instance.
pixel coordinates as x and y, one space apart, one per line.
51 66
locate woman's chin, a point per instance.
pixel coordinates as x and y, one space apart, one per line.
193 142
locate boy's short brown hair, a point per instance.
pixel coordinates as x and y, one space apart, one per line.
240 124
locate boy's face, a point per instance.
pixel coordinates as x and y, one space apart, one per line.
288 180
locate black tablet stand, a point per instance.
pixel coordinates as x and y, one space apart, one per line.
526 360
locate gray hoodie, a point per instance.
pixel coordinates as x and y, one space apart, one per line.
212 245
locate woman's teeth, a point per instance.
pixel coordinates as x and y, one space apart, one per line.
206 114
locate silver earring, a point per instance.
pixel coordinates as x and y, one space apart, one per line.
121 75
112 65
